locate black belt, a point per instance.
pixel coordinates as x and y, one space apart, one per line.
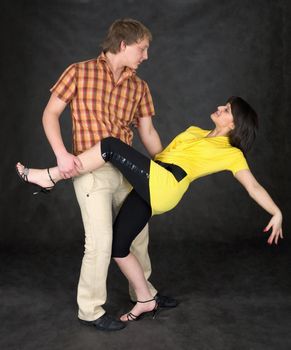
177 171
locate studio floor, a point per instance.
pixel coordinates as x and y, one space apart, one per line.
232 295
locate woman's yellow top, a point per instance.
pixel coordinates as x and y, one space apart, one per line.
199 156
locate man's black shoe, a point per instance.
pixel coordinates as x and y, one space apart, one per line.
105 323
165 302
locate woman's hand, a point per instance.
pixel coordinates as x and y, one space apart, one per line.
276 225
262 197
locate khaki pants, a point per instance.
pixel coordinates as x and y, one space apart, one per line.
100 195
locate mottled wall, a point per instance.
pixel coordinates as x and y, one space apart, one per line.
202 52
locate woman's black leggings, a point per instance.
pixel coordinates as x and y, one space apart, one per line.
135 211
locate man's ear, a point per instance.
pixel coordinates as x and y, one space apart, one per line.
122 45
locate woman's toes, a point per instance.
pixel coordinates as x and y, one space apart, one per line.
128 317
137 311
123 318
20 168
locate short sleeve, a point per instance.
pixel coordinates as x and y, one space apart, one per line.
239 163
145 108
65 87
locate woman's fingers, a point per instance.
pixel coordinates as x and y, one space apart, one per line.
275 235
281 233
276 238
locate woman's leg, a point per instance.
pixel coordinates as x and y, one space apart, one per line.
131 163
134 166
91 160
132 270
132 217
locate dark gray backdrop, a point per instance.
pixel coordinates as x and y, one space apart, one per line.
210 252
202 52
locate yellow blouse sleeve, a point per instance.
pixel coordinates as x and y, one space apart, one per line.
239 163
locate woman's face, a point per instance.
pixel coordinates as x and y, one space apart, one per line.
223 118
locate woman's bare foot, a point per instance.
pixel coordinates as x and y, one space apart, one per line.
138 309
35 176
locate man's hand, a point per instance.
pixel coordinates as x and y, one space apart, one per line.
69 165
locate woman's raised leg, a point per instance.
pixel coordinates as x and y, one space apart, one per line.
131 163
91 159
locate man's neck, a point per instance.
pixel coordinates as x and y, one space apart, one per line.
115 65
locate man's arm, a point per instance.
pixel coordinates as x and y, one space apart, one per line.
149 136
68 163
261 196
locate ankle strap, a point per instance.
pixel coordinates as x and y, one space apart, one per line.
146 301
48 171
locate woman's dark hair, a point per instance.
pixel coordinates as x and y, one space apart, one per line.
245 124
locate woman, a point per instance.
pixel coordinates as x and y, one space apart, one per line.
159 185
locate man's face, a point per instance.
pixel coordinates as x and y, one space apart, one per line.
136 53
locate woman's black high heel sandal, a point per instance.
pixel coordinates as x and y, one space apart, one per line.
24 177
131 317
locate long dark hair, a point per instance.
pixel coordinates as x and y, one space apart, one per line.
245 124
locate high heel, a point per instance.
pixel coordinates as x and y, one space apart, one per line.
24 177
131 317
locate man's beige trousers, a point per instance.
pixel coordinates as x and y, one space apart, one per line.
100 195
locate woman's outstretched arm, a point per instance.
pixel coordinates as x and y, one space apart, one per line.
261 196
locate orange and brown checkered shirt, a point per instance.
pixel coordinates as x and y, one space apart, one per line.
99 107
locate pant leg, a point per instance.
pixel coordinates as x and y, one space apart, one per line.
133 215
94 192
139 246
134 166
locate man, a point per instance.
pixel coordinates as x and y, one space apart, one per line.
105 97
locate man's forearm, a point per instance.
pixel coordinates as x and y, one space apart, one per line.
52 130
152 142
51 124
68 164
149 136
